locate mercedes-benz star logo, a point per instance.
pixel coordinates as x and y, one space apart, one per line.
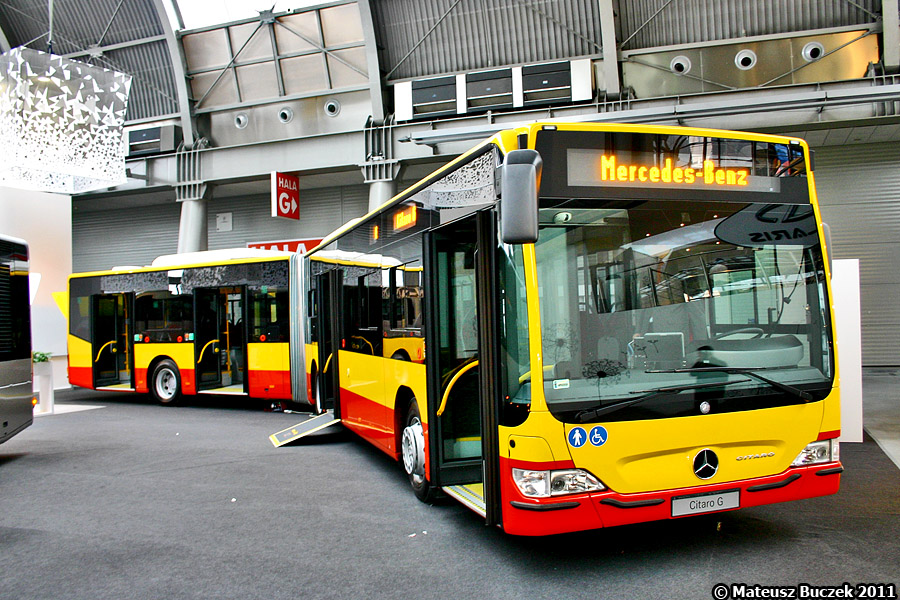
706 463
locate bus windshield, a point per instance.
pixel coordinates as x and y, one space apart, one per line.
655 309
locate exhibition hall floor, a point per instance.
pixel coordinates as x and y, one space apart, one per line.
135 500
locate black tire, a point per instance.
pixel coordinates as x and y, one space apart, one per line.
412 452
165 383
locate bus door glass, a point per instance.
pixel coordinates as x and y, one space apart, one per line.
112 342
210 313
461 366
235 339
328 318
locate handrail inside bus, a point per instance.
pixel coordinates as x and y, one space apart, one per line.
102 347
327 362
359 337
456 377
204 348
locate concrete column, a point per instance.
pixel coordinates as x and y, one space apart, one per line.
192 233
380 192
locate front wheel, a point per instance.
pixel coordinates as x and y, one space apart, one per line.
165 384
412 449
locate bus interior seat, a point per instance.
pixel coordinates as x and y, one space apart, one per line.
754 352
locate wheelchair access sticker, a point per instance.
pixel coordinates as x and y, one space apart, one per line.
578 437
598 435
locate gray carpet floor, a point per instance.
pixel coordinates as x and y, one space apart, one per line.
135 500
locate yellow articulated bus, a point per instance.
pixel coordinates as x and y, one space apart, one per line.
575 326
216 322
16 398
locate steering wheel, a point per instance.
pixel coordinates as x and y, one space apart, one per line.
758 331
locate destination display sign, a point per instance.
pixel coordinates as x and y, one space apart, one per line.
592 167
404 219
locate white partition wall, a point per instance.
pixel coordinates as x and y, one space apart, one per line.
848 324
45 222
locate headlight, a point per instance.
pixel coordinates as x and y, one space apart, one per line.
818 452
543 484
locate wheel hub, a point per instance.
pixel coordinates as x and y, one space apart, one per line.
165 384
412 447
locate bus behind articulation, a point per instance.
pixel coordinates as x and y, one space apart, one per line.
574 326
215 322
16 398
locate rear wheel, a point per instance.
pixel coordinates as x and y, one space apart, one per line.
412 449
165 384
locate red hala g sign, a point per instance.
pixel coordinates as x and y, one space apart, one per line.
285 196
300 246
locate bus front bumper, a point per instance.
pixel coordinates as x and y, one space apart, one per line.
563 514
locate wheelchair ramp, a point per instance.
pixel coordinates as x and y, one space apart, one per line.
470 495
307 427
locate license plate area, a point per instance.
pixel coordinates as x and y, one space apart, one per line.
697 504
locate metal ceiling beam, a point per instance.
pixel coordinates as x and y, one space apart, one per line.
672 110
610 49
176 57
315 154
100 50
374 68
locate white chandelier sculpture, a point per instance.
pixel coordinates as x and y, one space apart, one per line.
60 123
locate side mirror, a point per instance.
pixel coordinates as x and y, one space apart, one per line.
520 178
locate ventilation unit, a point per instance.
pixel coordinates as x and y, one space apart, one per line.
489 90
434 97
547 83
153 140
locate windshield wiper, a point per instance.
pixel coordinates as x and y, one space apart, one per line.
788 389
589 414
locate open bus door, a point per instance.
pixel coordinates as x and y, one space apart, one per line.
112 342
462 363
328 315
220 340
209 313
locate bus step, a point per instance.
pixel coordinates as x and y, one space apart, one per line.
471 495
229 390
118 387
304 428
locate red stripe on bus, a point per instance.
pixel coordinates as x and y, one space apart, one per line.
140 381
372 421
269 384
828 435
82 377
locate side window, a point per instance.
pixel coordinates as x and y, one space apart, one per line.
312 311
15 323
269 319
362 310
80 308
406 296
163 317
